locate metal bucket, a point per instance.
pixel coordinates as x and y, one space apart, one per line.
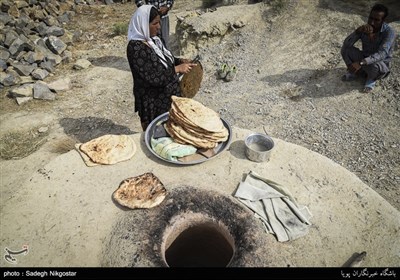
258 147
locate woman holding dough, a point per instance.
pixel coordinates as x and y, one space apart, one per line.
154 69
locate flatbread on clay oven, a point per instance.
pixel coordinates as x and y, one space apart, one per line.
143 191
109 149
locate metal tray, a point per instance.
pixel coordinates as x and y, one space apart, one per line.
163 118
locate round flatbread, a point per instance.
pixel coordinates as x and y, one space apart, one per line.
143 191
191 82
198 114
109 149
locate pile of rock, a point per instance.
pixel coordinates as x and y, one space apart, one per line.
33 41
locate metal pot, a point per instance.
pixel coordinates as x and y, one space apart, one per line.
258 147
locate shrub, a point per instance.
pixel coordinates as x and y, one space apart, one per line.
120 28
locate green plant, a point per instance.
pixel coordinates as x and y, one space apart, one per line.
120 28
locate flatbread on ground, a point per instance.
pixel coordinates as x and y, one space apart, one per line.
143 191
109 149
85 158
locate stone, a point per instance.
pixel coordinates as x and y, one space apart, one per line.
38 15
20 45
26 80
41 28
55 31
5 18
55 59
67 38
21 4
34 57
64 18
52 21
9 78
82 64
55 45
22 21
13 11
22 91
4 53
67 56
42 91
43 129
49 55
77 36
39 74
60 85
52 9
11 36
21 100
5 5
3 65
48 65
20 55
24 69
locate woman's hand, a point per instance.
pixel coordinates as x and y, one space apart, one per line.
185 60
184 68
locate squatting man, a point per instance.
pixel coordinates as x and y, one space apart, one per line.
377 39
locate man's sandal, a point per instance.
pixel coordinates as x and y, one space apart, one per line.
367 89
369 86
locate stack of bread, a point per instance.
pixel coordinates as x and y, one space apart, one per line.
190 122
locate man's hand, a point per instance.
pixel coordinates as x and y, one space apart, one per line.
163 10
354 67
366 28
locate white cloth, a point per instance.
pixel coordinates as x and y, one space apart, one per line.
139 30
275 206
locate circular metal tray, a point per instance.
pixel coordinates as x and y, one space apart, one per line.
163 118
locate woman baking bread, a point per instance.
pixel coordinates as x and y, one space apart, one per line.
154 68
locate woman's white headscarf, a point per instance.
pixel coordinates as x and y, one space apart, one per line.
139 30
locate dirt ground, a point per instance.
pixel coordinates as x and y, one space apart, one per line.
288 85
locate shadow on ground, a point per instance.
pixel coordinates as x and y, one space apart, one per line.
117 62
313 83
88 128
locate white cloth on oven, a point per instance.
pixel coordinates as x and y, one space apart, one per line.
275 206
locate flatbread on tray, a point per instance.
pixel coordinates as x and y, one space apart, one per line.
143 191
190 122
107 149
200 115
